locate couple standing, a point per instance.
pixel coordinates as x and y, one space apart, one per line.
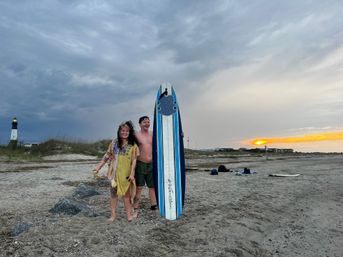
130 168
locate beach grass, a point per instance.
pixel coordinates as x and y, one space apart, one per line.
52 147
18 154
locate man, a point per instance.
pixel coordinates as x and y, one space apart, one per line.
144 166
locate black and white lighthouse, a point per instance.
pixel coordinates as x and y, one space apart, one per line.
14 134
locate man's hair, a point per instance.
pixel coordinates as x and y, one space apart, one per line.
143 118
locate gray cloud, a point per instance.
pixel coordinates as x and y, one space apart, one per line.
72 64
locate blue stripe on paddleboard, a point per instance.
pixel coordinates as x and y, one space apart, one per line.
182 161
160 159
177 166
177 161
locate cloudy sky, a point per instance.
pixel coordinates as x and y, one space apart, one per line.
241 69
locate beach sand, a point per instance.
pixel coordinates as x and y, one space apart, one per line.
224 215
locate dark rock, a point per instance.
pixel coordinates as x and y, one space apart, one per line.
84 191
70 206
20 228
103 182
67 206
56 178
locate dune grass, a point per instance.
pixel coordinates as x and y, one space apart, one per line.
59 146
18 154
52 147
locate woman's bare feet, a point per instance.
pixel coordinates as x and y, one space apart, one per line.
135 213
113 218
95 174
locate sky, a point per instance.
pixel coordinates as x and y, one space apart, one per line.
241 69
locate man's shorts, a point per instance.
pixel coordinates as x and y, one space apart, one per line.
144 174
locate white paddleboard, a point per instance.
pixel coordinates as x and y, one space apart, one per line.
169 159
284 175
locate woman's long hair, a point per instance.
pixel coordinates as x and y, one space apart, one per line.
132 136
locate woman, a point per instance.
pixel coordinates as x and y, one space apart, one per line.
122 153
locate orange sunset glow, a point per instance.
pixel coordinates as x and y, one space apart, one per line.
325 136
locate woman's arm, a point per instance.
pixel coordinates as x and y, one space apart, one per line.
107 156
133 163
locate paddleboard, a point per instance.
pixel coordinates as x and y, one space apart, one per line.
168 150
284 175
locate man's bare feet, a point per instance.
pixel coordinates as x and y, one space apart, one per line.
154 207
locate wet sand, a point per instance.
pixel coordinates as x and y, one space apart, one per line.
224 215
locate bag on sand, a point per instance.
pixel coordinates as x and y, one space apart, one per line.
214 172
246 171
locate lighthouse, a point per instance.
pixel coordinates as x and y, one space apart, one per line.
14 134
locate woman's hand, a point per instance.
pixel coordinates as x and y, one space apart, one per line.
95 173
131 178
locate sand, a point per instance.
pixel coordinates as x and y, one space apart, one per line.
224 215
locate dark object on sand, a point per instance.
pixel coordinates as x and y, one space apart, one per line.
20 228
67 206
56 178
222 168
74 205
214 172
84 191
102 182
70 206
246 171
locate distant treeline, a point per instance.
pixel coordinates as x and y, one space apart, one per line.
58 146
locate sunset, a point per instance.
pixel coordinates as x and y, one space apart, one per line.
327 136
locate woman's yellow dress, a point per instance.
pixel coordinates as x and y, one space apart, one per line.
122 161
